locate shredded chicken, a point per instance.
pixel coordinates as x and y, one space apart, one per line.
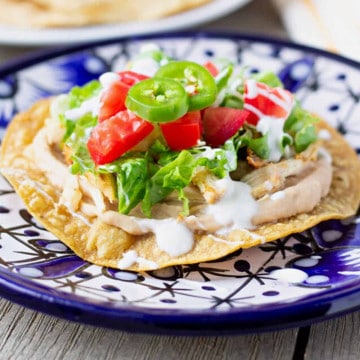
254 160
105 183
47 160
72 195
272 178
209 185
311 153
301 197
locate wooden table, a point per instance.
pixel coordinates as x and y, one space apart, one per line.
26 334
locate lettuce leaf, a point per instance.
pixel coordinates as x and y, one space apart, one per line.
259 143
221 161
161 153
222 78
252 140
269 78
77 131
175 175
81 160
300 126
303 138
79 94
77 141
73 100
131 178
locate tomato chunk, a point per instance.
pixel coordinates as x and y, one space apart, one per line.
221 123
131 78
212 68
263 100
113 98
112 138
183 133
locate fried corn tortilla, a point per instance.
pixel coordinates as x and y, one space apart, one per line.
103 244
57 13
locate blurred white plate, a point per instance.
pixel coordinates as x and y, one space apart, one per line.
33 37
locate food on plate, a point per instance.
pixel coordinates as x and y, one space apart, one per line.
173 162
58 13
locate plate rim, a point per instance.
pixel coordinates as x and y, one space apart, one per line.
36 56
204 322
77 308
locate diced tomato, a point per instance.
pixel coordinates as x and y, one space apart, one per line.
221 123
262 100
183 133
113 98
115 136
212 68
131 78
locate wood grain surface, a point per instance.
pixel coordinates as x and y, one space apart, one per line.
335 339
27 334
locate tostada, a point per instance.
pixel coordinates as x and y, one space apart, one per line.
173 162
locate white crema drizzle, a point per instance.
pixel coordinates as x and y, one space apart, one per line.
172 236
273 127
236 208
88 106
131 257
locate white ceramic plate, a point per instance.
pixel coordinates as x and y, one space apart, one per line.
289 282
33 37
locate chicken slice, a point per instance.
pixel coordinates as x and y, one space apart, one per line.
271 178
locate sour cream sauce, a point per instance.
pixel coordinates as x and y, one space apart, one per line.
172 236
131 257
89 106
236 208
273 127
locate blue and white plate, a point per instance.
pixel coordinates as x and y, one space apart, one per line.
293 281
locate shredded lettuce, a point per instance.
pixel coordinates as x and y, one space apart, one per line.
77 131
300 126
233 101
269 78
73 100
175 175
224 75
161 153
258 144
299 133
79 94
221 161
77 141
131 178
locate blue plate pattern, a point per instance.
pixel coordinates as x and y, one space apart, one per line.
315 273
